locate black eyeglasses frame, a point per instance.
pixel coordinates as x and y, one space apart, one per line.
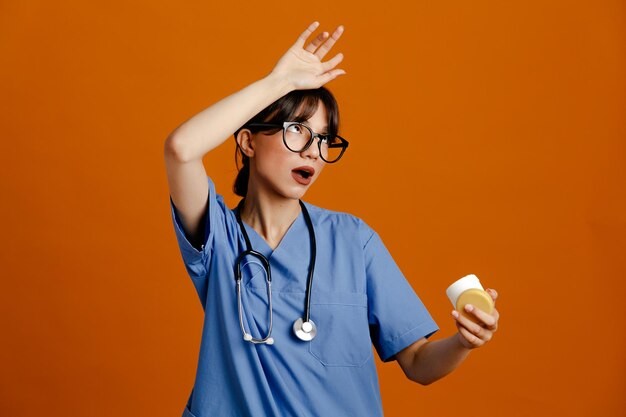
343 142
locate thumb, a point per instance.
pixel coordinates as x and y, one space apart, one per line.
330 75
493 293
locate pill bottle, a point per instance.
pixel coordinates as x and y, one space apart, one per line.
468 290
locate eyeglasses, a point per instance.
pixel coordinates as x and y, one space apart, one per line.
297 137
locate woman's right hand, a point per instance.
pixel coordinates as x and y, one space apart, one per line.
302 67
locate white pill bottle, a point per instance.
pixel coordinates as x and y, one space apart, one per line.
468 290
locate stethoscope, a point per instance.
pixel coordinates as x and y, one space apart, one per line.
304 328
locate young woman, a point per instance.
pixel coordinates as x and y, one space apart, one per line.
294 295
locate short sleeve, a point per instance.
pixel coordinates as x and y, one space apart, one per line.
397 317
196 260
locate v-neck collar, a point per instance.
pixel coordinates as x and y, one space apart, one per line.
259 243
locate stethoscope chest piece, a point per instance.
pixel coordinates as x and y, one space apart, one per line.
305 330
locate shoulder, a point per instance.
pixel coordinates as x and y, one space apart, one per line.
338 222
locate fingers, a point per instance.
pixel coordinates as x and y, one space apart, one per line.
489 320
330 75
305 35
321 44
333 62
472 335
328 67
496 315
323 50
304 66
315 43
474 328
472 341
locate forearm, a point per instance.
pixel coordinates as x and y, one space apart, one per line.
436 359
211 127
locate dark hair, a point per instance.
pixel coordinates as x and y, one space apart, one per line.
296 106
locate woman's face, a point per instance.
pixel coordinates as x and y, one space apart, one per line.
277 171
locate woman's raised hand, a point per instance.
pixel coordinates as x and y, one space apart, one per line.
302 66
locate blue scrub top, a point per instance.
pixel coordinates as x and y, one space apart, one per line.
359 297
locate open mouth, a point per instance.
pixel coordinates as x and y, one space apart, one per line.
303 174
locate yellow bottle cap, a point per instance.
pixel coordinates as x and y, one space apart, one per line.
476 297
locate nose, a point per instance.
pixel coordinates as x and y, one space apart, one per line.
313 151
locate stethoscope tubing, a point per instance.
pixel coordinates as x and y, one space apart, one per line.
310 333
268 278
309 284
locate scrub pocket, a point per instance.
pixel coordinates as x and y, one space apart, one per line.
343 337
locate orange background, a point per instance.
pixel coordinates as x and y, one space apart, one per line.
486 137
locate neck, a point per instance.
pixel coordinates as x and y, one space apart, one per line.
270 218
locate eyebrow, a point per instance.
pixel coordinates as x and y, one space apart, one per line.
324 129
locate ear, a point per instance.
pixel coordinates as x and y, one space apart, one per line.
245 141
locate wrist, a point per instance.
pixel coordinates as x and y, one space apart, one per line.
458 338
279 83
